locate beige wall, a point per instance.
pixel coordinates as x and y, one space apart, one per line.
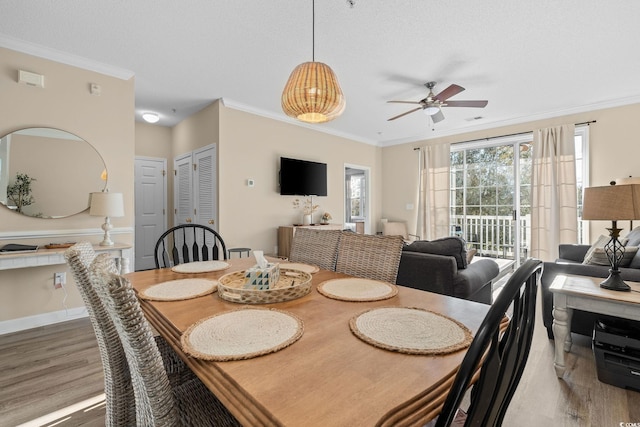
250 147
107 123
613 153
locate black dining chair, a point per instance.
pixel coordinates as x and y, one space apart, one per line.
501 355
188 243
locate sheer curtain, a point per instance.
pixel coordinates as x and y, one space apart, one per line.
433 191
554 215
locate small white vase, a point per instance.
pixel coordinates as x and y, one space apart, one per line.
306 219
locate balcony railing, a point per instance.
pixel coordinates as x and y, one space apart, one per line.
494 236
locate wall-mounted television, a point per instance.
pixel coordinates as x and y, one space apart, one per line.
302 177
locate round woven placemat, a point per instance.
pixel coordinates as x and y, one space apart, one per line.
175 290
357 289
410 330
307 268
241 334
200 267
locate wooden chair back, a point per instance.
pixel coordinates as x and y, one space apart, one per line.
188 243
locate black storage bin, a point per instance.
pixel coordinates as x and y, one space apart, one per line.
616 346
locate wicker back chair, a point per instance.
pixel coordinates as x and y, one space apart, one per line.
188 242
161 399
318 247
368 256
120 405
503 355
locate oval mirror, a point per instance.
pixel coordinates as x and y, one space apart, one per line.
48 173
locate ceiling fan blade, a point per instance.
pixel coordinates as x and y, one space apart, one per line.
437 117
403 102
477 104
404 114
449 92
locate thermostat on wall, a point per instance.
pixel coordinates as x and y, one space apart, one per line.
250 182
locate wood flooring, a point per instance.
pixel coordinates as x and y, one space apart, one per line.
48 368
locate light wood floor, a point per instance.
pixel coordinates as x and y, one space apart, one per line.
48 368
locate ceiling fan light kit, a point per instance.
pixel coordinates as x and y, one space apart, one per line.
312 93
432 104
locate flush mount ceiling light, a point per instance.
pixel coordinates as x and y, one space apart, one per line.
312 93
150 117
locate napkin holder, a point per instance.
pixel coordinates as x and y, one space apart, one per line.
259 278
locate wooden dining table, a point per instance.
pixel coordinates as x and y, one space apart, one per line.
329 377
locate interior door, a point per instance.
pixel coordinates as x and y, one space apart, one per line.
182 189
357 201
204 183
150 208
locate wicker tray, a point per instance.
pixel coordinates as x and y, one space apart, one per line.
292 284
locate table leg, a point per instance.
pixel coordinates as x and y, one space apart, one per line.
561 332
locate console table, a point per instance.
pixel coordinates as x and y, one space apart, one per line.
121 252
585 293
286 232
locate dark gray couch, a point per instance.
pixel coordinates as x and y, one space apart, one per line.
570 262
441 266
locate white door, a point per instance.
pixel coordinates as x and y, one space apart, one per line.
182 189
204 183
150 208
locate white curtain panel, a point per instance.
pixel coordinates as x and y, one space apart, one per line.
554 214
433 191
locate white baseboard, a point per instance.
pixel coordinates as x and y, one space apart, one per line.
29 322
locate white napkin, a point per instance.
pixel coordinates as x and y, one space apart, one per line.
260 259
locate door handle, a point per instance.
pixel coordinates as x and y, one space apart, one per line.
211 221
188 220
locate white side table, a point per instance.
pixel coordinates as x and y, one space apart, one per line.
584 293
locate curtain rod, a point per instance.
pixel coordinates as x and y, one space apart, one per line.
511 134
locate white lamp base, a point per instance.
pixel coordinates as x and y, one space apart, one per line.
106 227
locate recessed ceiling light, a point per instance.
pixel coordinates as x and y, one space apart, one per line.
150 117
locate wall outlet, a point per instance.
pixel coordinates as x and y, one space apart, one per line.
59 280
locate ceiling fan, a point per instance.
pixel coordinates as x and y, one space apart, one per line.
432 104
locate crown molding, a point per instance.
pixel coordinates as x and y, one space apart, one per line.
229 103
64 57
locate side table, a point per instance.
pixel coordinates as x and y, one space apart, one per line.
584 293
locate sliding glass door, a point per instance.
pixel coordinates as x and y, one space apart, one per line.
490 193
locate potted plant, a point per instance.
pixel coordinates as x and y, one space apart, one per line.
307 207
19 193
326 217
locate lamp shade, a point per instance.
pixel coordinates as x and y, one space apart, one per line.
106 204
312 94
611 202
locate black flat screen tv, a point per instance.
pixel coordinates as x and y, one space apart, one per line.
302 178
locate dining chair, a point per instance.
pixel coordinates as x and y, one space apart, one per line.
188 242
500 355
120 402
369 256
317 247
162 398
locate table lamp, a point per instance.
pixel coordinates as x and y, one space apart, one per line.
612 203
107 205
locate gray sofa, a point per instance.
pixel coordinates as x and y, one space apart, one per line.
441 266
571 262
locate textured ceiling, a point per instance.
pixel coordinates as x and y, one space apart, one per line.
530 59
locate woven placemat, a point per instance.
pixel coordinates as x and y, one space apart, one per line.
410 330
175 290
357 289
241 334
307 268
200 267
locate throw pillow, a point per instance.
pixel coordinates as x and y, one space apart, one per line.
599 257
602 240
470 254
448 246
633 238
635 262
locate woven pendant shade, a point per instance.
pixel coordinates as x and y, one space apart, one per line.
312 94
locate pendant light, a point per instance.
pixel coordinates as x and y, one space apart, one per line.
312 93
